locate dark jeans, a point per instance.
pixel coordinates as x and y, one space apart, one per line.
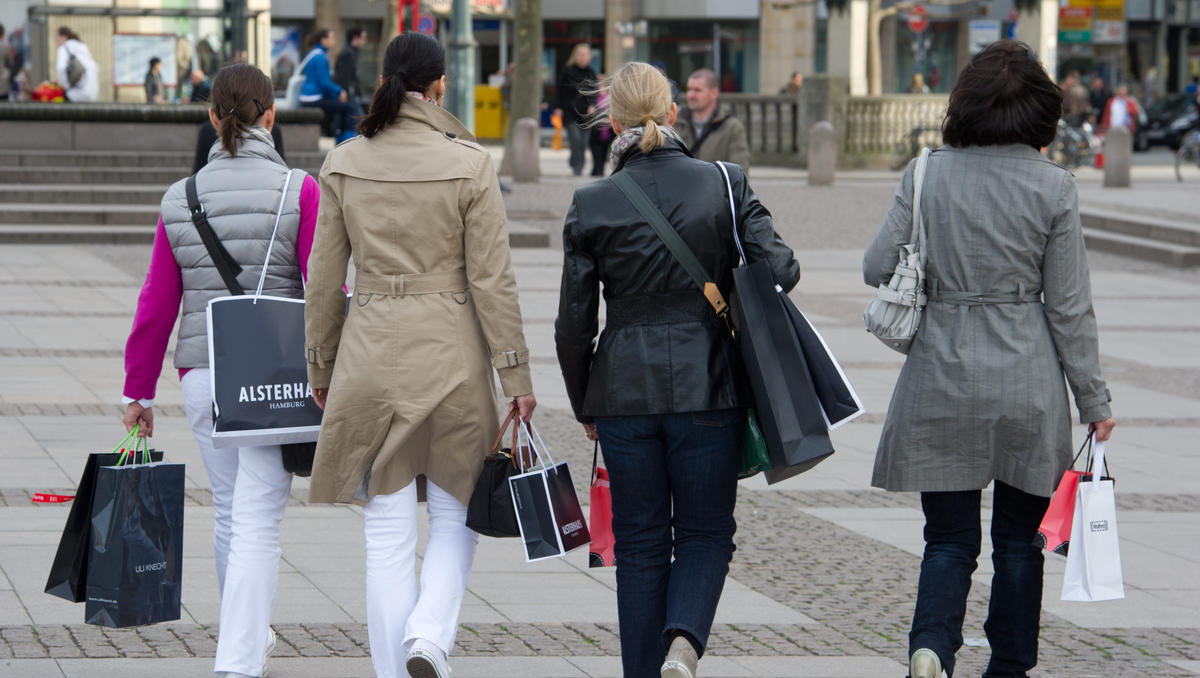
952 540
674 486
577 140
342 115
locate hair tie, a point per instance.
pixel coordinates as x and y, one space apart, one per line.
648 119
400 75
234 112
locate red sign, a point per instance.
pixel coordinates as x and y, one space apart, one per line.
918 19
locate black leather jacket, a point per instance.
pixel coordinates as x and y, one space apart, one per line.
663 350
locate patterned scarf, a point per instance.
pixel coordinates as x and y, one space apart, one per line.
632 137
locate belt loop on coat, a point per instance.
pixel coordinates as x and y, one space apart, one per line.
1020 292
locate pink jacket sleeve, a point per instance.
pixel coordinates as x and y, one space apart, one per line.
310 198
157 310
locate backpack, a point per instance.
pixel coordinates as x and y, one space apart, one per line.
75 69
291 97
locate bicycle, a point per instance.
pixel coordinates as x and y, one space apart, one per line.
1188 155
908 148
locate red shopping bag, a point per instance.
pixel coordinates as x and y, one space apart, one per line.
1054 533
600 520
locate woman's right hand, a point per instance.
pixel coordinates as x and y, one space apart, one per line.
319 396
524 405
1102 429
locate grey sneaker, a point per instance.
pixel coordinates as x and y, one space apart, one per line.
426 660
271 639
924 663
681 660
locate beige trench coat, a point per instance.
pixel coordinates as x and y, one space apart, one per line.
432 313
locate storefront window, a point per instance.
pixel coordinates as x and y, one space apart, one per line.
937 49
684 46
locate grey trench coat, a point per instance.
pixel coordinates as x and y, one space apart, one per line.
981 396
434 310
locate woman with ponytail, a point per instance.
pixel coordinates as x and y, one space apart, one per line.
663 390
242 189
406 376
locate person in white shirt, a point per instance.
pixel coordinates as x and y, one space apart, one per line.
86 85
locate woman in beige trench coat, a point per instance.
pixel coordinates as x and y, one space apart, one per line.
405 376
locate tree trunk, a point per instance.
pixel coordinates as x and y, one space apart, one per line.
525 93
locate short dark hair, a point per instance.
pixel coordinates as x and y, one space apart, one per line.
353 32
154 61
1003 96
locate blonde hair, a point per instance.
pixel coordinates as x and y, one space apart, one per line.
639 94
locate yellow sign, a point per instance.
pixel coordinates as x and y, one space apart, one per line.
1110 10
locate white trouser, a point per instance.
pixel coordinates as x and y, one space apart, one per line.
250 493
222 465
398 610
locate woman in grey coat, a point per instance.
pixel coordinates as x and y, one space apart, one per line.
981 397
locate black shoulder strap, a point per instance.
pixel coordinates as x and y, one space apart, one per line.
670 237
713 126
226 265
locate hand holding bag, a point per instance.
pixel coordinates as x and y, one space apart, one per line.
894 315
1094 560
603 551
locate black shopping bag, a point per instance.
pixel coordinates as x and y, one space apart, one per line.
134 568
68 572
785 400
260 389
839 402
548 511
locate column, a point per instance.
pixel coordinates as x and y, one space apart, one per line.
616 12
787 40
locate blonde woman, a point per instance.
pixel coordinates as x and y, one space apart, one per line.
663 390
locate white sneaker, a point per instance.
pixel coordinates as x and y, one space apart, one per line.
426 660
681 660
924 663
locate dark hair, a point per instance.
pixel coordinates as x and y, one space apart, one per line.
154 61
412 61
1 30
316 37
1003 96
241 93
353 32
68 33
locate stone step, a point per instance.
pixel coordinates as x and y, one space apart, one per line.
90 194
33 175
48 158
78 214
519 236
1172 254
1179 231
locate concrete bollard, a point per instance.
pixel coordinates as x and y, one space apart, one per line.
1118 157
822 154
525 142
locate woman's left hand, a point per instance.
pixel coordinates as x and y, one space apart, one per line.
589 430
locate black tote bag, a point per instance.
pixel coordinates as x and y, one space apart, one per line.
490 511
785 401
135 563
839 401
68 572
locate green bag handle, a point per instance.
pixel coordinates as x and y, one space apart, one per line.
122 447
129 454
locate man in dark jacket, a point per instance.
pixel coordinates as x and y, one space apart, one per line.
710 130
573 105
345 71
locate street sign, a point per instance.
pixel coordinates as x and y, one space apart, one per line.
981 33
425 24
1074 25
918 19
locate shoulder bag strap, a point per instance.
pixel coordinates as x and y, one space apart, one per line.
262 277
226 265
670 237
918 220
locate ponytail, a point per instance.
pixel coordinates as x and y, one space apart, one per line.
653 138
315 38
412 62
385 105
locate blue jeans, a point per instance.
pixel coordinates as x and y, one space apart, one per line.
342 116
952 540
674 486
577 141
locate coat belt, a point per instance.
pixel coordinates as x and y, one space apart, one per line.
433 282
1021 296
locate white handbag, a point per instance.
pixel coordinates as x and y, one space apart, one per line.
895 313
1093 570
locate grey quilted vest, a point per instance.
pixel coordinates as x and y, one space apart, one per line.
240 196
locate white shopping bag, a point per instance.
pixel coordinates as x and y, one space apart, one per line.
1094 560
